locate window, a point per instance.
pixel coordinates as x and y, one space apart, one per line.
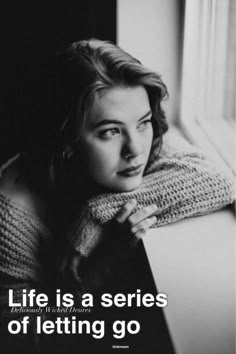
208 77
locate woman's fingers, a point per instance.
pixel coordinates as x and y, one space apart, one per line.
137 223
125 211
142 214
140 229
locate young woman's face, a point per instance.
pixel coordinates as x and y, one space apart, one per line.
116 141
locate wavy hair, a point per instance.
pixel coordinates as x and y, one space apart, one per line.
88 67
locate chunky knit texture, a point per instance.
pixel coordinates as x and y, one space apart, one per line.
23 241
22 235
181 184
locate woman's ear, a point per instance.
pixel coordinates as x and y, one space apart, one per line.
67 152
59 164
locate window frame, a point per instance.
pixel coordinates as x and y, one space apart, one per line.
212 133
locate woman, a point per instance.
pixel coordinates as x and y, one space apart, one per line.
112 138
108 165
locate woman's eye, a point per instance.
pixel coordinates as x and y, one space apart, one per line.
144 125
109 133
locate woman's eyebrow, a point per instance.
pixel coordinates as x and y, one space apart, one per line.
115 121
105 122
146 115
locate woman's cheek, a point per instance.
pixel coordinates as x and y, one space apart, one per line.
103 155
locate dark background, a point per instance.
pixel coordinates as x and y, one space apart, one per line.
31 33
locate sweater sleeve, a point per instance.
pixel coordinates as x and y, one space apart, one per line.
181 183
23 244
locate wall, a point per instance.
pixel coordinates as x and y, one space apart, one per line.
151 30
31 33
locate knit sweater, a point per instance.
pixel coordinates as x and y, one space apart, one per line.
181 184
24 238
22 234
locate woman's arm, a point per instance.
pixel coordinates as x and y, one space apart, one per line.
24 245
181 184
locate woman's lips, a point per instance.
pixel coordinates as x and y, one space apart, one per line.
131 171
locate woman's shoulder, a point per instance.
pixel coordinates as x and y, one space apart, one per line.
16 194
24 233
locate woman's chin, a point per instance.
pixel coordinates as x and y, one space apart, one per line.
127 184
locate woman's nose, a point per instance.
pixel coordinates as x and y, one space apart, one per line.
132 147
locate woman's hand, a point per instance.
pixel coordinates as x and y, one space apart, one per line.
136 223
129 227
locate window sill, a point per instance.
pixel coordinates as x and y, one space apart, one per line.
216 140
